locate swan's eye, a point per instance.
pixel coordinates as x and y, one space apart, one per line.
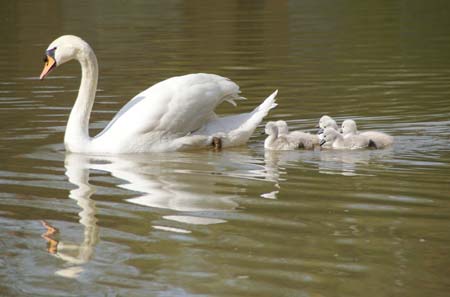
51 52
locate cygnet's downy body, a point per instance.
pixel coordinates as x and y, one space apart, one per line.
326 122
335 140
299 139
274 141
379 139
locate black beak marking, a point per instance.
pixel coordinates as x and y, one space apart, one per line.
51 53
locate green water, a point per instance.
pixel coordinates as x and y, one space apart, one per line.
240 222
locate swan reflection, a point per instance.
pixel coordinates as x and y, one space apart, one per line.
76 254
164 183
199 188
196 184
193 189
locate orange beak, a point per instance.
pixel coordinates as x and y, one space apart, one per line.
50 63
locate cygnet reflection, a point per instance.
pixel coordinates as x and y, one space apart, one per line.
349 162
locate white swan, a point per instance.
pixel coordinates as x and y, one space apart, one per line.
277 142
300 139
337 141
177 113
379 139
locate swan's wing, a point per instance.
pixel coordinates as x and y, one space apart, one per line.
224 124
175 106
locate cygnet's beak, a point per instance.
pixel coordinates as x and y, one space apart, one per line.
49 65
322 142
320 131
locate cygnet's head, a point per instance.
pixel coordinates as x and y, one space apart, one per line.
327 122
349 127
283 128
271 129
62 50
329 136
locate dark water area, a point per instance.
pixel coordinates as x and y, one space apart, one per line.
242 221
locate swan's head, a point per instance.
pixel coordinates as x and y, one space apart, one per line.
271 129
62 50
283 128
326 122
348 127
329 136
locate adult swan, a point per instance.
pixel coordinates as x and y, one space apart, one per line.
175 114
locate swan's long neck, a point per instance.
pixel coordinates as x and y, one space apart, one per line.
77 132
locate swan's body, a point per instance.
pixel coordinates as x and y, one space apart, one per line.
277 142
175 114
380 139
298 138
336 140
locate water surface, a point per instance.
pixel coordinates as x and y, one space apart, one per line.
240 222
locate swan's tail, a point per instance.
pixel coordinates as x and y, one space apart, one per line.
268 104
242 134
237 129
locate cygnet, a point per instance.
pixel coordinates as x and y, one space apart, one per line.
274 141
298 138
336 140
379 139
326 122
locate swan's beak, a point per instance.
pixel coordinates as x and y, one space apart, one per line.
50 63
322 142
